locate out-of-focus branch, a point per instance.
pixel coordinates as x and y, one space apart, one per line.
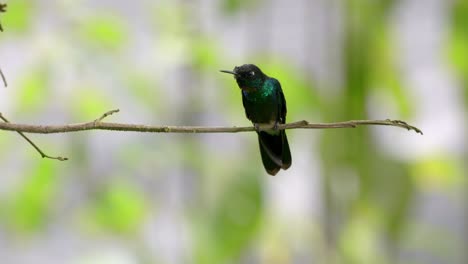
2 9
3 78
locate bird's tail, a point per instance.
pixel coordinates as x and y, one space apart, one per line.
274 149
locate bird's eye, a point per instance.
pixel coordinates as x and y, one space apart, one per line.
252 73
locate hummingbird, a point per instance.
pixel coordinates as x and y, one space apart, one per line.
265 106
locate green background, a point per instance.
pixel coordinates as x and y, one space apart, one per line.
365 195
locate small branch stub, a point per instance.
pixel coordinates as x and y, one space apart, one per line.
106 114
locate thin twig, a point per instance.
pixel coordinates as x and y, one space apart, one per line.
2 9
32 143
3 78
98 125
106 114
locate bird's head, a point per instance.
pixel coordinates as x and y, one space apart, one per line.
248 76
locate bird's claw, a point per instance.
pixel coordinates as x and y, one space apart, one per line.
275 126
257 127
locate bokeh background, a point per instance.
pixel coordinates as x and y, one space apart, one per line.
365 195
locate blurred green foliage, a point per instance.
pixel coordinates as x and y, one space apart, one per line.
458 45
119 208
233 222
29 207
19 15
438 172
32 90
234 6
382 183
105 32
384 74
89 101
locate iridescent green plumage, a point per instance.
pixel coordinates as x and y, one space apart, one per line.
264 103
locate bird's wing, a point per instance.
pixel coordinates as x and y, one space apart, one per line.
282 104
244 104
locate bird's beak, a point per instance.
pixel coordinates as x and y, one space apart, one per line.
230 72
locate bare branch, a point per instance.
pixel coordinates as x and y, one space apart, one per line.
98 125
32 143
3 78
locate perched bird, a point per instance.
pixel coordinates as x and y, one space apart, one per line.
265 106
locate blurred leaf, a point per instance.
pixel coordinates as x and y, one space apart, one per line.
90 103
233 6
120 208
172 19
460 10
33 90
105 31
18 15
30 204
385 73
205 53
174 42
145 90
459 43
459 52
438 172
359 239
393 195
234 221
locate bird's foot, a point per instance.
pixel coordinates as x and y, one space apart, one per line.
275 126
257 127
